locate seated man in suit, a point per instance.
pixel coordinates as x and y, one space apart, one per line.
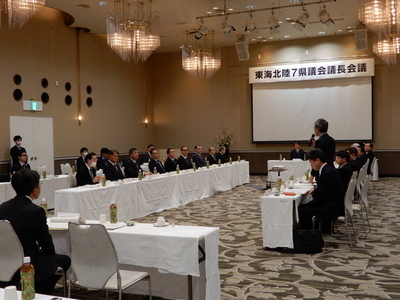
345 171
212 159
87 173
16 148
221 155
354 162
197 158
171 162
327 198
102 159
369 154
21 163
147 155
155 164
30 224
81 159
132 167
112 171
183 160
361 154
297 152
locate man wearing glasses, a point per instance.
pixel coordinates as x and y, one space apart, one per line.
22 162
183 160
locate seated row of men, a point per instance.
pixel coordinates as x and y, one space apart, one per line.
328 198
108 161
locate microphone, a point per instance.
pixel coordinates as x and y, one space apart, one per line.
310 142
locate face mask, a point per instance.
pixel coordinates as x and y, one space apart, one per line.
93 164
84 154
19 143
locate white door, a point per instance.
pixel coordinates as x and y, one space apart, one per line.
37 139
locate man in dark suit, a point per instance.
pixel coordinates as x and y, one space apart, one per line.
361 154
132 167
147 155
16 148
21 163
369 154
81 159
101 161
155 163
171 162
183 160
87 173
345 172
112 171
221 155
212 159
30 225
355 163
297 152
327 198
197 158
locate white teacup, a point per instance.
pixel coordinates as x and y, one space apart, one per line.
161 221
103 219
10 293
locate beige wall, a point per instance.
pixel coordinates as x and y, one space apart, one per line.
181 109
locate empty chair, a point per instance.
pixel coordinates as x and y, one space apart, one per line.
362 207
374 170
94 261
66 168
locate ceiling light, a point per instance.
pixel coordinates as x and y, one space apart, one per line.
102 3
324 17
227 29
302 21
250 26
321 32
230 9
287 36
295 1
251 6
273 24
215 7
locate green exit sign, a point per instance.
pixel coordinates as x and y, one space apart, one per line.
31 105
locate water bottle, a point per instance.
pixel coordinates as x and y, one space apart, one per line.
140 175
103 180
280 156
194 167
27 279
279 184
230 160
177 169
155 170
44 205
113 212
73 169
219 162
239 158
44 174
207 164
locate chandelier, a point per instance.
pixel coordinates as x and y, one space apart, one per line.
382 17
200 58
133 32
19 11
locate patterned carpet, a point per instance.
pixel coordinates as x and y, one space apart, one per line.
248 271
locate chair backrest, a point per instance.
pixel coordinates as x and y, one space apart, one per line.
361 177
11 252
354 176
66 168
373 165
93 256
364 190
348 197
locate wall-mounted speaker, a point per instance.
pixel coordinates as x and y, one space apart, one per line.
361 39
242 49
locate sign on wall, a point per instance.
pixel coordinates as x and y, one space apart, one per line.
313 71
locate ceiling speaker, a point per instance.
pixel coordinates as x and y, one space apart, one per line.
242 49
361 39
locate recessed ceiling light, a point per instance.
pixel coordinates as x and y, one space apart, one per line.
209 12
339 30
287 36
83 6
215 7
174 34
251 6
253 39
260 37
321 32
287 19
280 22
349 27
264 40
271 38
230 9
102 3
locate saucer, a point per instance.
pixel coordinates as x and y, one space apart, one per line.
166 224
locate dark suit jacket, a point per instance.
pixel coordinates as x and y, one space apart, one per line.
170 164
295 154
29 223
156 164
83 176
356 164
17 166
212 159
345 173
111 173
327 144
14 153
145 158
221 157
328 198
132 169
198 160
101 163
184 163
80 162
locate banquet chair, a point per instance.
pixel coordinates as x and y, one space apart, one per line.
360 179
374 170
12 254
349 213
66 168
362 207
94 261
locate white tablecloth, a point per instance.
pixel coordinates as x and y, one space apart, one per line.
48 188
163 191
169 254
297 167
37 296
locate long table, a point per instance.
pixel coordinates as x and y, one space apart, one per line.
155 193
170 254
48 189
297 167
37 296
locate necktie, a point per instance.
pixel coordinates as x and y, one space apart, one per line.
118 170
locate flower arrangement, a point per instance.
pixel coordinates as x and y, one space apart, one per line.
225 139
